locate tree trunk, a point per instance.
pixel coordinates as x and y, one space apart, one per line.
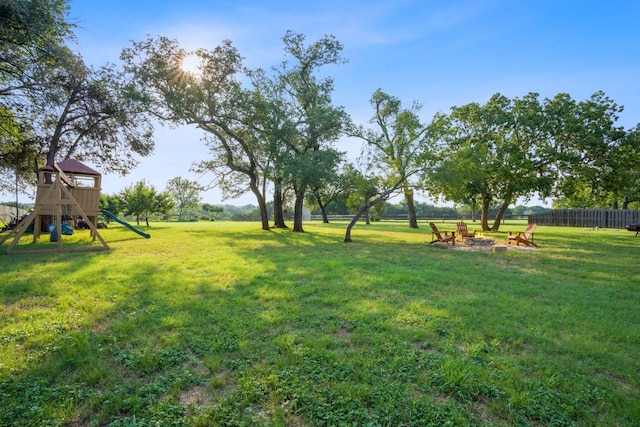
297 214
262 204
484 216
323 210
384 196
54 142
629 199
354 220
366 212
500 215
408 198
278 215
473 209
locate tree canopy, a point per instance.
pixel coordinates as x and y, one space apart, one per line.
185 194
142 200
592 151
91 115
515 148
275 128
54 107
312 160
32 33
398 143
214 101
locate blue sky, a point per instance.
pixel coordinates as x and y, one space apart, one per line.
439 53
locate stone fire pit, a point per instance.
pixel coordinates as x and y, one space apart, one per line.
479 241
482 244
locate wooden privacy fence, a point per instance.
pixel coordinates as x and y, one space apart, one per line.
603 218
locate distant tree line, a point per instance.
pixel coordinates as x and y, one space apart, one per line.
384 211
425 210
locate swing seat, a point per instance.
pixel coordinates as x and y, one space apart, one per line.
66 229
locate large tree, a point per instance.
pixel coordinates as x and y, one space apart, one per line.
143 200
270 119
592 152
60 107
270 128
18 150
368 191
185 194
494 153
306 155
91 115
397 142
333 187
32 37
214 101
31 32
624 177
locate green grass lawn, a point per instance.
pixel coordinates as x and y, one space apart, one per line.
222 324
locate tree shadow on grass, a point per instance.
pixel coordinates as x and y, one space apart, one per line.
298 328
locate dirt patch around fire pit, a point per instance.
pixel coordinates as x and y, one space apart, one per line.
497 247
485 247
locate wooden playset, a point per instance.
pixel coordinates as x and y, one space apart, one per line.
66 190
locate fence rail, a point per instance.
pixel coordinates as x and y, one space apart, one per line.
602 218
405 217
386 217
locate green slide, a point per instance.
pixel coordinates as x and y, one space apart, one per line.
126 224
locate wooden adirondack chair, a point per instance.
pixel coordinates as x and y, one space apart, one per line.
526 237
463 231
437 237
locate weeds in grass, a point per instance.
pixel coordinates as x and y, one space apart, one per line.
224 324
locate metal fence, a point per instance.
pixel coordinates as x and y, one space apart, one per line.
602 218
